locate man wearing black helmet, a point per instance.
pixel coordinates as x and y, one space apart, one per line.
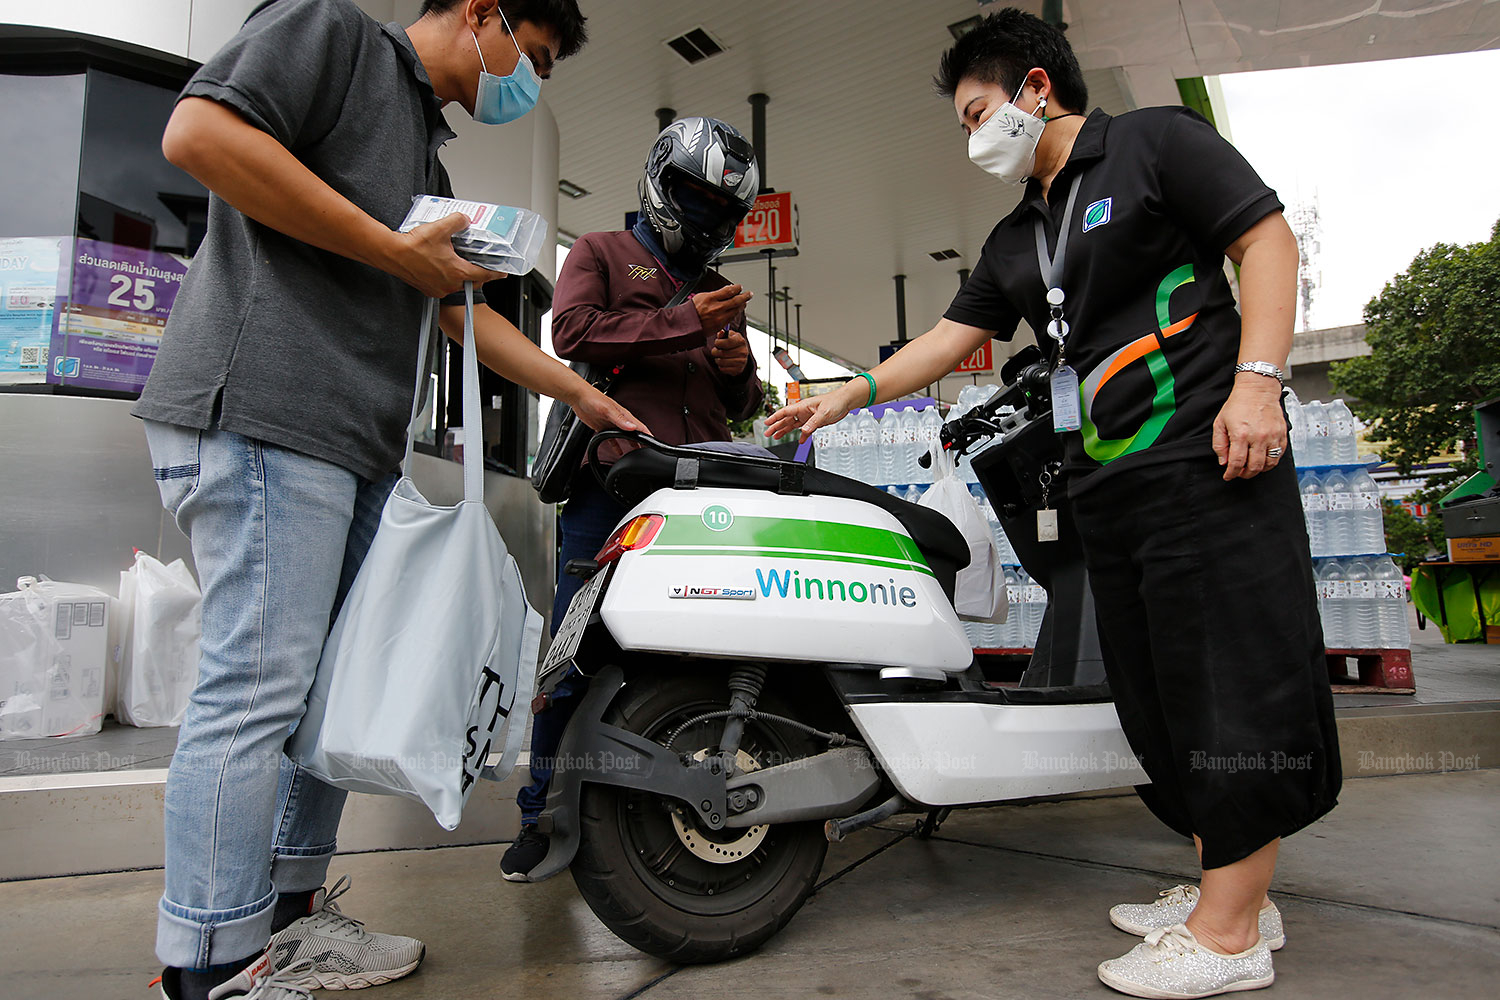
686 370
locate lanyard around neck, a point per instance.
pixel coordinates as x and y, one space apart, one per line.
1051 265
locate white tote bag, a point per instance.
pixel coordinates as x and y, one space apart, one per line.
431 663
979 591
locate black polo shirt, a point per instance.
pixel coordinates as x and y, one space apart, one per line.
1155 331
274 338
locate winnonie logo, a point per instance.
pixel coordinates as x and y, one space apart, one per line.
793 586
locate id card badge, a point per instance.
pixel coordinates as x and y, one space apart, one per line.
1067 413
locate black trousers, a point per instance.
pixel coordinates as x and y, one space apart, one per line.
1214 649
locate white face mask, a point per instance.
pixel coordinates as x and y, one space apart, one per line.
1005 145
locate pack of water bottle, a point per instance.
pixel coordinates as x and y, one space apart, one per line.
1027 601
1343 512
1322 433
880 451
1363 604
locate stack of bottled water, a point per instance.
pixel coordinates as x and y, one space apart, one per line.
1026 603
881 452
1322 433
1361 593
1363 604
1342 509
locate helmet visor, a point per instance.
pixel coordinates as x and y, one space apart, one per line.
706 212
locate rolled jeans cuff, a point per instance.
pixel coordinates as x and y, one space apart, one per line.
301 869
191 938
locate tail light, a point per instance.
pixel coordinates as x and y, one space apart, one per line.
637 533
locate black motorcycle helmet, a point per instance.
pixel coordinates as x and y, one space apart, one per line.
700 180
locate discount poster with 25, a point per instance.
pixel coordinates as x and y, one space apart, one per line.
110 326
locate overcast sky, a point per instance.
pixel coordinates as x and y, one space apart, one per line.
1400 154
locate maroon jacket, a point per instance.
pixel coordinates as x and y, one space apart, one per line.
608 309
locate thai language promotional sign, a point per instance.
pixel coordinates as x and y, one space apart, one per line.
110 326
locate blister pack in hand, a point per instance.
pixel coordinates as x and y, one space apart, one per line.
499 237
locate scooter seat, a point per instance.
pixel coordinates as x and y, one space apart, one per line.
640 473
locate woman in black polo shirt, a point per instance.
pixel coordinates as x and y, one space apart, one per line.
1176 464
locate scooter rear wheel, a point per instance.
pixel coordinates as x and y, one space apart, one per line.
667 885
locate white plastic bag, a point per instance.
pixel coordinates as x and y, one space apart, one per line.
980 589
158 676
53 659
432 660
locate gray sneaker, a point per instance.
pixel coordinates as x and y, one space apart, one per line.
344 956
1171 965
1173 907
260 980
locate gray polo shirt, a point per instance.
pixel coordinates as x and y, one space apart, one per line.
276 339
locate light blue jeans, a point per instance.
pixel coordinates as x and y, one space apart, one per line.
277 537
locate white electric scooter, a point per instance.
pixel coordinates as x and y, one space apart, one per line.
775 662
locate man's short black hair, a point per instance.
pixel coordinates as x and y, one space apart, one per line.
563 16
1004 47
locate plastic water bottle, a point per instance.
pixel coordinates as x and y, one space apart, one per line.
930 422
841 445
866 448
1364 612
975 632
895 491
886 461
1317 433
823 447
1340 533
1370 524
914 493
1390 594
1333 600
1035 605
909 428
1315 511
1343 445
1010 632
1297 435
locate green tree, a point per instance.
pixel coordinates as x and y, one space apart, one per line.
1412 538
1434 336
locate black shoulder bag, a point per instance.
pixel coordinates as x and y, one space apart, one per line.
560 453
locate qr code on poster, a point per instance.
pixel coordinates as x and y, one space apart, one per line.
34 357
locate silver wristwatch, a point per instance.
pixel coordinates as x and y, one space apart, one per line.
1262 368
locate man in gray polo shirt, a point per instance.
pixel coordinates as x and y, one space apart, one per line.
276 415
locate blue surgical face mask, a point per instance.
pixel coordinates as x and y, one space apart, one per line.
502 99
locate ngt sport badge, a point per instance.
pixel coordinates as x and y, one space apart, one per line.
710 593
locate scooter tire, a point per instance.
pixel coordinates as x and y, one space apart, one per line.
646 908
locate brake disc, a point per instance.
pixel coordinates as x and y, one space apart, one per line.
704 844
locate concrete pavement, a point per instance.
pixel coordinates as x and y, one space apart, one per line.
1395 894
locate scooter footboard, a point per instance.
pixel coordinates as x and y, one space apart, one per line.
949 753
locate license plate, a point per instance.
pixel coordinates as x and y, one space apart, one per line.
574 623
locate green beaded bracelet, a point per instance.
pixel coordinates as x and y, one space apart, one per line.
871 379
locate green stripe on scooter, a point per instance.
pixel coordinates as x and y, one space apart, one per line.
851 541
749 550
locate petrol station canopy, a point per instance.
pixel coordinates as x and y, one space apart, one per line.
875 159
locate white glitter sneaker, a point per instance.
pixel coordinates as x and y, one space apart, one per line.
343 955
1173 907
1171 965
